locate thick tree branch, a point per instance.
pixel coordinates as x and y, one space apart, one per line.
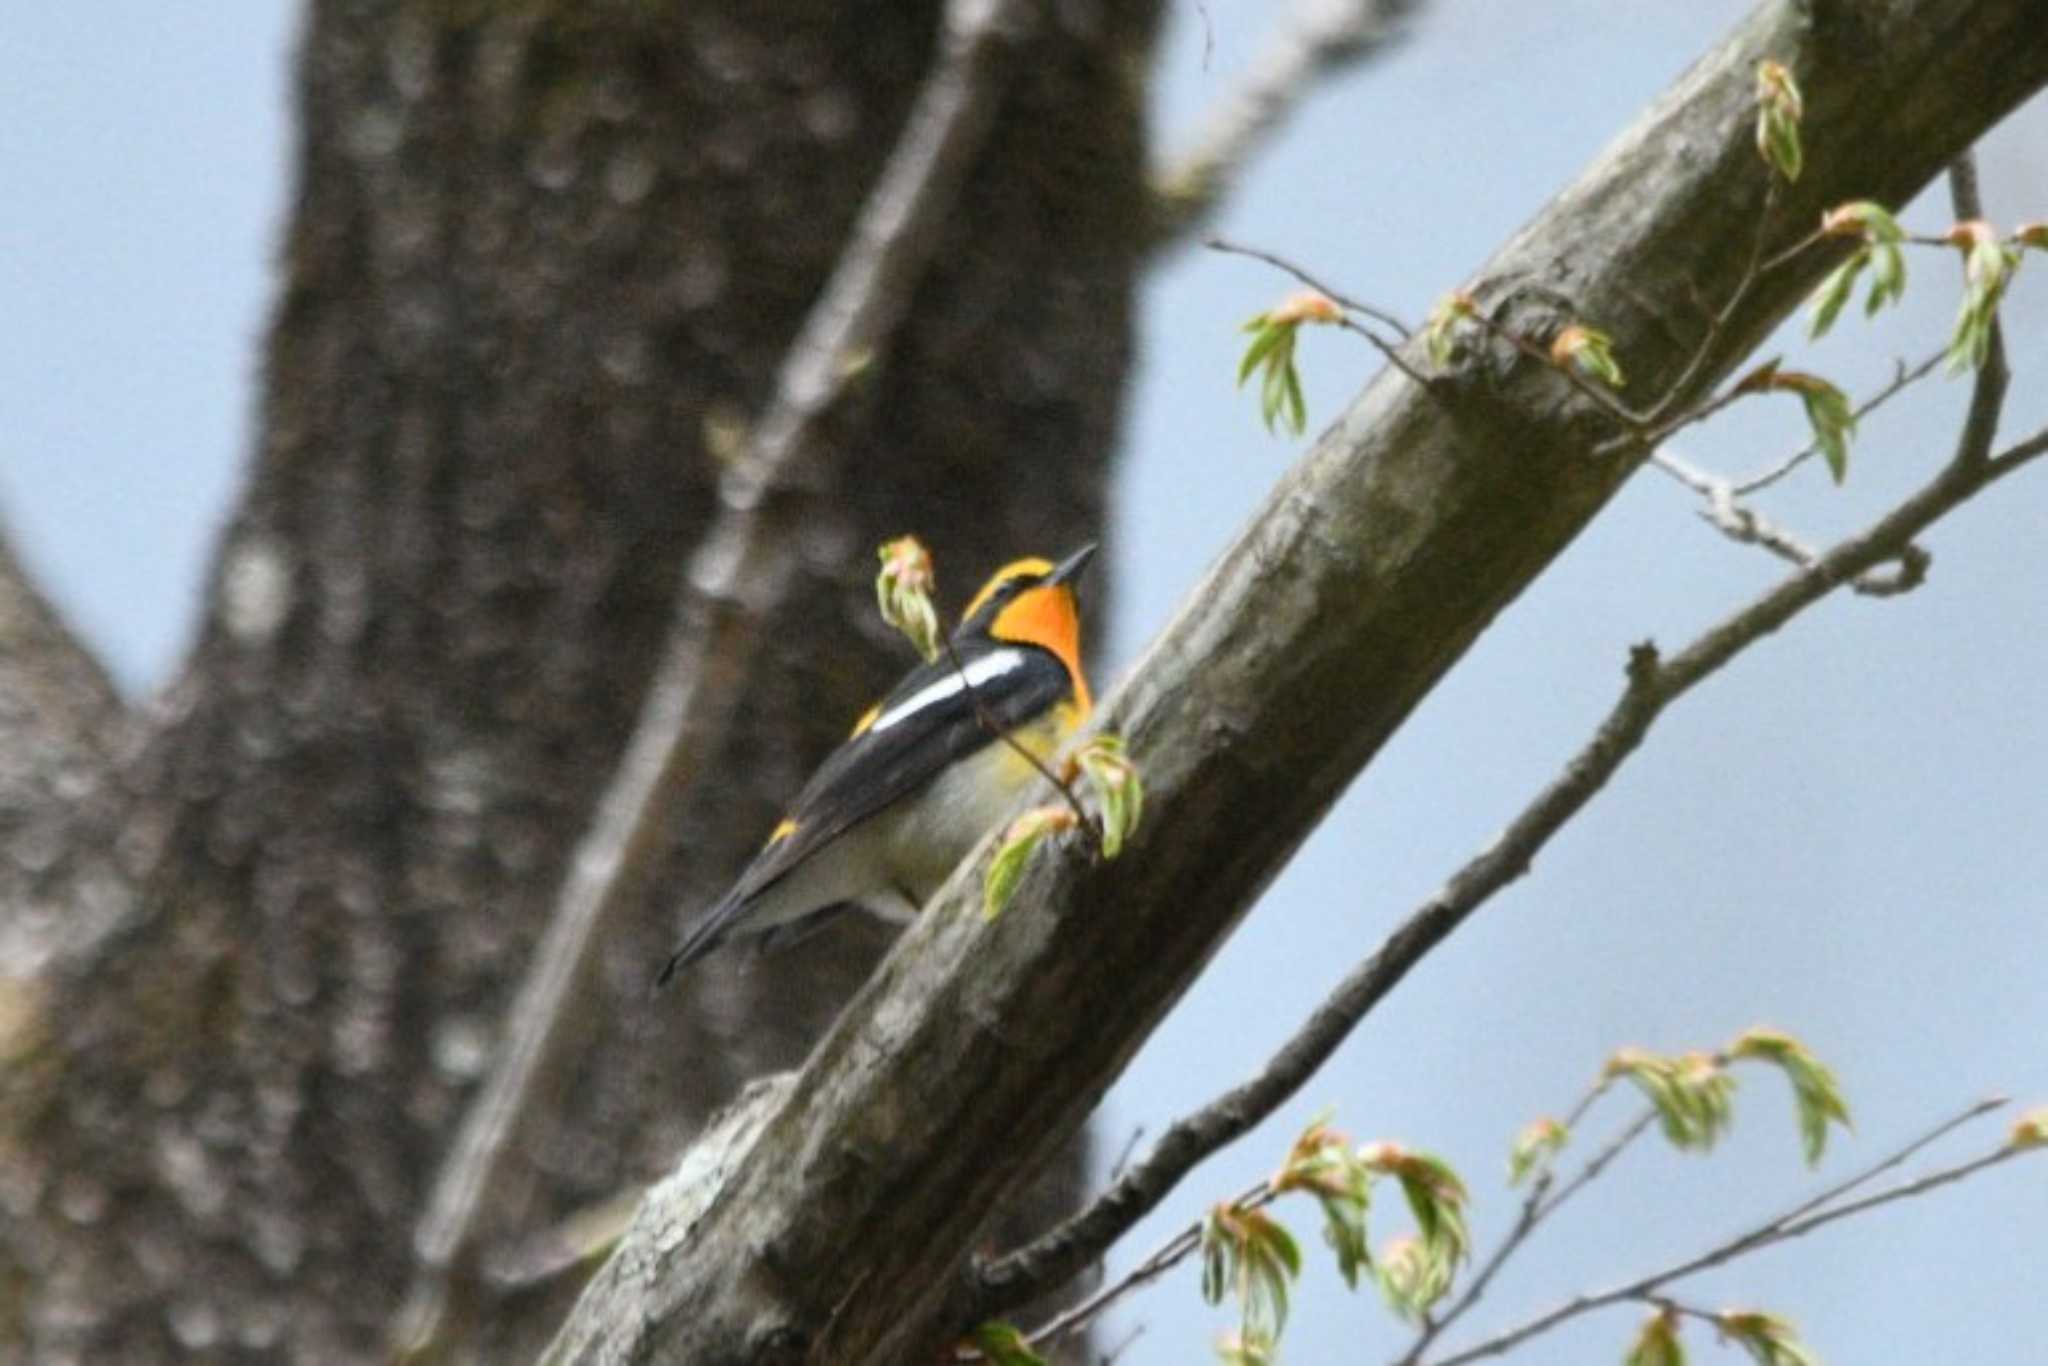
1372 567
1316 38
741 567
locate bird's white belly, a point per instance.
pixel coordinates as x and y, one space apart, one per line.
964 803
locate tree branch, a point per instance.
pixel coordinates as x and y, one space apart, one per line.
1652 686
1376 562
1535 1209
739 569
1316 38
1795 1223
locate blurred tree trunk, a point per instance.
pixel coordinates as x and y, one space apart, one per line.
258 938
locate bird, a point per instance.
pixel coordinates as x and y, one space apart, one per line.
926 772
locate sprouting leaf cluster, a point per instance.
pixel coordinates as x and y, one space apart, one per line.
1693 1093
1249 1257
1779 108
1117 795
903 592
1271 356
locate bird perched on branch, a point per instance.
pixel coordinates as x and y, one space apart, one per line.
927 771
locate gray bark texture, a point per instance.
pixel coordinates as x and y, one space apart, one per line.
844 1212
542 260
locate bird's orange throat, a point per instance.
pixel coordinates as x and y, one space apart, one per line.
1050 619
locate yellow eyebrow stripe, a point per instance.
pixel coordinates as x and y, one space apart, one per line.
1015 569
780 833
867 718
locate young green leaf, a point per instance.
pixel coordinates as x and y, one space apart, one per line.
1219 1256
1119 790
1436 1196
1769 1340
1274 1259
903 591
1815 1091
1246 1349
1827 410
1882 237
1779 108
1271 356
1411 1278
1589 352
1834 291
1692 1094
1535 1148
1006 869
1988 267
1251 1255
1863 218
1323 1163
1657 1344
1888 280
1004 1345
1440 331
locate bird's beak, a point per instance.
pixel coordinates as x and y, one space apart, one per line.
1069 569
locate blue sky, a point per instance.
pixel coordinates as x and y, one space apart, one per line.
1839 836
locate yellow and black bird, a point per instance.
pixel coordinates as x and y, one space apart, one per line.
926 771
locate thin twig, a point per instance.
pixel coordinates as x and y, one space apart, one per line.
738 569
1755 269
1535 1209
1281 263
1123 1158
1654 683
1389 350
1316 38
1727 513
1902 379
1796 1223
1877 1169
1004 734
1599 1162
1162 1259
1600 397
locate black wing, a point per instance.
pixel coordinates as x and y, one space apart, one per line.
927 721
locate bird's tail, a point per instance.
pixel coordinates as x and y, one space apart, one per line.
709 931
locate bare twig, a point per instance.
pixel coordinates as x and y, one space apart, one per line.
1742 523
1654 683
1535 1209
1161 1260
1902 378
1717 321
1801 1220
1316 38
735 574
1389 350
1281 263
1877 1169
996 729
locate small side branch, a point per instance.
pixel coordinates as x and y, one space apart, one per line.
1654 683
1797 1222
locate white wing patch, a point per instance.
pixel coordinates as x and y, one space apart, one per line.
989 666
